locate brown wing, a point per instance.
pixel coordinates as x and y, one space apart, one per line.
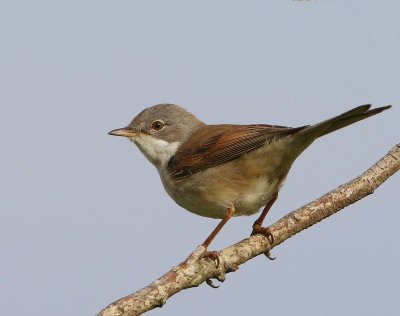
212 145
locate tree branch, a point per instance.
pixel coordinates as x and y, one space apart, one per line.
196 269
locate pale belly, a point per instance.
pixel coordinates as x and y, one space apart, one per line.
213 202
258 194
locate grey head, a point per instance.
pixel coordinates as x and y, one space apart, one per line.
159 130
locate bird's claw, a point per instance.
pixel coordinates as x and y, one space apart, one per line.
269 256
265 231
210 283
213 255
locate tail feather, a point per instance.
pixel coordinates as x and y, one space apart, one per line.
306 136
357 114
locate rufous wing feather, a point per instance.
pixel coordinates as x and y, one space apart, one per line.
212 145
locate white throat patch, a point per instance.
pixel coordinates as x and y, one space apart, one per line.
157 151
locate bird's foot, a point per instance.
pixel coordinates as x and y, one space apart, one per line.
213 255
265 231
202 253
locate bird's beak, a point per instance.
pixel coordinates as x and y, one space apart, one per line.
124 132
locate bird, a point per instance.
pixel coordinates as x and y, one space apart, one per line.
225 170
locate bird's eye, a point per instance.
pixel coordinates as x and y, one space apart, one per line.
157 125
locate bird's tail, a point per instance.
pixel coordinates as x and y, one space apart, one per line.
306 136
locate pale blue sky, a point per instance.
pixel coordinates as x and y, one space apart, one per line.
84 219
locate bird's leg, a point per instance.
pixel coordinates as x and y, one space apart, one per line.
257 226
227 217
213 254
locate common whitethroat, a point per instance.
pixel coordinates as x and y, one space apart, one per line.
225 170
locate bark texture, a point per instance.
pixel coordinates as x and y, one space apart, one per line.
195 270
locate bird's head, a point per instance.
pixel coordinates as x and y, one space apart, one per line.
159 130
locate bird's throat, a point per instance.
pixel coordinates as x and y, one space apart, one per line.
156 150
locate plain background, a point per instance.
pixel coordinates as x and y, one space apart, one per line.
84 217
